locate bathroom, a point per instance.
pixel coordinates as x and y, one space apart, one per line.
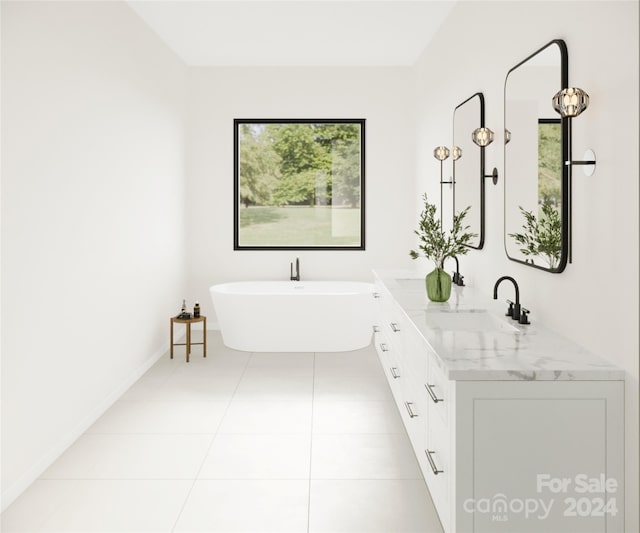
117 188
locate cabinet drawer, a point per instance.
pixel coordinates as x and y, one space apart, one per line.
384 305
394 328
416 355
438 474
413 411
382 347
390 365
394 374
437 388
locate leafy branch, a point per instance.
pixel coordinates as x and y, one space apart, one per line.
435 243
543 237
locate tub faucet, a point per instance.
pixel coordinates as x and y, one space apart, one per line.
458 279
295 277
514 310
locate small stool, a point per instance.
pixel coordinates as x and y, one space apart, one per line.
188 322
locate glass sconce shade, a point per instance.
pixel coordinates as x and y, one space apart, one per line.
441 153
482 136
570 102
456 152
507 136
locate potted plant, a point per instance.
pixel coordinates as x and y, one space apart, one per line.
438 246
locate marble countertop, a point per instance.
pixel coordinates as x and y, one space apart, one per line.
493 347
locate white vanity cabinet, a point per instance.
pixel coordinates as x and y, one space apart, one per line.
438 448
403 364
419 389
509 439
549 446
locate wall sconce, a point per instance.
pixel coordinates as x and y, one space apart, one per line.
441 153
569 103
483 137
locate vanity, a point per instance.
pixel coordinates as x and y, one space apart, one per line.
515 428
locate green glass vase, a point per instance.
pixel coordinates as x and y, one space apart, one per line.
438 285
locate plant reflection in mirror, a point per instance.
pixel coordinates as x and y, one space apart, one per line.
543 237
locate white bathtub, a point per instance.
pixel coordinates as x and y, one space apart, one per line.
294 316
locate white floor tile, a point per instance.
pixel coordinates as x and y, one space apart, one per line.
34 506
266 417
77 462
355 363
246 506
208 368
284 372
161 417
118 506
272 387
363 457
145 388
350 388
132 457
281 361
329 371
162 369
398 506
179 388
356 417
241 423
221 358
258 457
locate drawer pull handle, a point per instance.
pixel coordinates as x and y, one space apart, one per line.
432 394
432 464
384 347
409 410
394 373
376 329
394 327
376 295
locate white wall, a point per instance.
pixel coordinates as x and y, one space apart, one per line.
93 222
383 96
595 301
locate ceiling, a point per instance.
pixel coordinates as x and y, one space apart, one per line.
295 33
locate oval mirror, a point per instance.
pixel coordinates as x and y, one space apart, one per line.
468 166
536 143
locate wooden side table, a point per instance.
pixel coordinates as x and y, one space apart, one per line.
188 344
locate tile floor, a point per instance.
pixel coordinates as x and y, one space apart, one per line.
239 442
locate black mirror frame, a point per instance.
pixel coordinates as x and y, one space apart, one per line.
565 254
482 169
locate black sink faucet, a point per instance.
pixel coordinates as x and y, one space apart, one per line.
457 278
514 308
296 276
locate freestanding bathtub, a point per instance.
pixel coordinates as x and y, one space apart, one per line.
294 316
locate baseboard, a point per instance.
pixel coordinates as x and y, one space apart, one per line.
10 494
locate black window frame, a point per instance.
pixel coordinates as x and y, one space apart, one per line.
236 184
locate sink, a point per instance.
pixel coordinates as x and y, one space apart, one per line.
468 320
410 283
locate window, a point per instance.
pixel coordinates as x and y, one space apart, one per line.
299 184
550 161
